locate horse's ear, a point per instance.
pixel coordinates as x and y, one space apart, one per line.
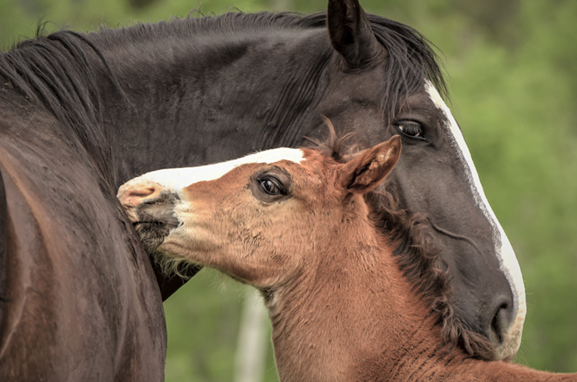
350 32
366 171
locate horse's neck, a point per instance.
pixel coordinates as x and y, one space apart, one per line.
179 89
357 322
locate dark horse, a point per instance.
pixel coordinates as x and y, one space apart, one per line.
82 113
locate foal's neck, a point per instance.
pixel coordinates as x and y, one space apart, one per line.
350 317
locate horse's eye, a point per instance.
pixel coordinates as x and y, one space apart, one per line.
271 186
410 128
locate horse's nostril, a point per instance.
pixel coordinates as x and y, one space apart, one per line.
496 326
500 323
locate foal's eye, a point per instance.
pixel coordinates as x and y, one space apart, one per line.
410 128
271 186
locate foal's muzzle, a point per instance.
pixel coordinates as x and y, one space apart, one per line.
150 208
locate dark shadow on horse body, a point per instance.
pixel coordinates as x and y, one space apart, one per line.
79 297
82 113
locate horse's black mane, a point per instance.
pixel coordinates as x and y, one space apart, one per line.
55 71
418 256
411 56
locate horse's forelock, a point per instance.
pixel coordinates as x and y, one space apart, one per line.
411 61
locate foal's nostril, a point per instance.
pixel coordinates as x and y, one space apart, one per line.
143 193
132 195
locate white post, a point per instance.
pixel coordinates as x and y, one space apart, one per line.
252 340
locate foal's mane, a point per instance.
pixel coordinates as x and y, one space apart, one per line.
417 256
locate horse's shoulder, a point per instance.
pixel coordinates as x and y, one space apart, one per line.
62 241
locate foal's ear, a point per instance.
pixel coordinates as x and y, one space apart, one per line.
366 171
350 32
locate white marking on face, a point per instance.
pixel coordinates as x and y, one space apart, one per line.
175 179
507 260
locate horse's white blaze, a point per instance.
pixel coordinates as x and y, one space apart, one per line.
508 262
176 179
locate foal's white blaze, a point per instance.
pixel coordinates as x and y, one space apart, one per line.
175 179
506 255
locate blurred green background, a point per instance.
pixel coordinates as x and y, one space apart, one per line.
512 74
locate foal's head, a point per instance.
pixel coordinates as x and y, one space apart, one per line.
261 218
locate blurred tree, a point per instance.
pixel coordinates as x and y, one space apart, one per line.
14 23
492 17
139 4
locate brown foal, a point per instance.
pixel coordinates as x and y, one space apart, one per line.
295 224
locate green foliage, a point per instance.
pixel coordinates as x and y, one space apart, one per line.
14 23
517 109
202 320
512 73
